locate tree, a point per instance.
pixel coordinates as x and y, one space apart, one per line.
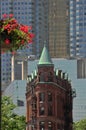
10 120
81 125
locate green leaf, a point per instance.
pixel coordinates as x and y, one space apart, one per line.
10 120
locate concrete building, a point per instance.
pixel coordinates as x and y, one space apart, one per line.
59 28
81 68
48 97
77 28
19 67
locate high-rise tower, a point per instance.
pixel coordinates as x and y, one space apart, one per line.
78 28
59 28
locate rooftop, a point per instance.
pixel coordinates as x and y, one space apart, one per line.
45 58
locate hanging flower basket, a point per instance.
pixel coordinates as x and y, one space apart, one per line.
14 36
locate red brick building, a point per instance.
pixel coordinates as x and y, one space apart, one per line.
48 97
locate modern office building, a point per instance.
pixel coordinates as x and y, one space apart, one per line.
77 28
48 97
16 90
40 25
59 28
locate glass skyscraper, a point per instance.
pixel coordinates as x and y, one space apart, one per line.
78 28
59 28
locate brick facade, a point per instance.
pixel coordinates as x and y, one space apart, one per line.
49 100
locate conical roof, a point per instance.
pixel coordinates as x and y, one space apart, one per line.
45 57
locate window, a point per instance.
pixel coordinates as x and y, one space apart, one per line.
41 110
49 110
41 97
42 125
3 79
49 96
50 126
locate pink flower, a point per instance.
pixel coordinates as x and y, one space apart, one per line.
4 15
31 35
13 21
13 52
27 46
7 26
13 32
10 15
24 28
30 41
22 42
7 41
30 27
2 52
